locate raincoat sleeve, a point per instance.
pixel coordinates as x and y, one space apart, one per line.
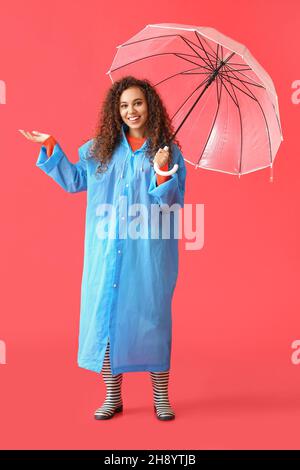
72 177
172 191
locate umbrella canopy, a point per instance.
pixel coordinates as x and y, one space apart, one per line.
222 103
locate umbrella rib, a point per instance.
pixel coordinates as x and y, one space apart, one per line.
184 72
277 118
223 55
207 44
194 91
196 73
213 54
241 73
243 83
204 50
243 91
217 55
221 78
272 104
237 70
162 37
154 55
209 81
264 116
258 85
241 125
178 54
219 93
150 39
186 40
177 35
211 78
240 64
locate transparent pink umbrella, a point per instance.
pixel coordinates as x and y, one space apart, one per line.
222 103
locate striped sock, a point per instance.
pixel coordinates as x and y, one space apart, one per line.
113 401
162 407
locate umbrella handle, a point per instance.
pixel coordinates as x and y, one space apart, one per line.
165 173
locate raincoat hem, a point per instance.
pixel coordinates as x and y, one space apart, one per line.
96 367
140 368
92 366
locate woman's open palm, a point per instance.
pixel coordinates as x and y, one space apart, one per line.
35 136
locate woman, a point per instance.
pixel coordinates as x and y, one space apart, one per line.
130 263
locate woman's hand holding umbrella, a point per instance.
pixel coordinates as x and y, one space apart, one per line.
160 160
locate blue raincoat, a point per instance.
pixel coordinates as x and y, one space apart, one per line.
130 255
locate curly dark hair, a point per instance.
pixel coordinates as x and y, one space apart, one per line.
159 129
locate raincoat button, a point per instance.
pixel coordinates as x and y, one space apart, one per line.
119 251
115 285
127 185
122 217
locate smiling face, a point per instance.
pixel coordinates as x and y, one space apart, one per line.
134 110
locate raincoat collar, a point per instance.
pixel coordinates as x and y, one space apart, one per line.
126 143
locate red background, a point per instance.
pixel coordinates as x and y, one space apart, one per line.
236 305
